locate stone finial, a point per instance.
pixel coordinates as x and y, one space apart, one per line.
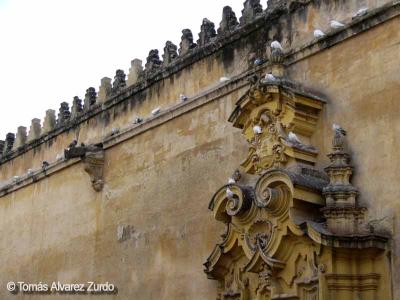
186 43
153 62
10 138
49 122
170 53
119 81
135 71
77 108
229 21
20 139
276 59
2 144
104 89
252 9
207 32
34 130
342 211
90 98
63 114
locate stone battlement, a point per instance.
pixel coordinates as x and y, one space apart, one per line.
123 101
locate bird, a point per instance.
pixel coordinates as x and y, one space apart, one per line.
318 33
114 131
183 97
60 156
231 180
16 178
292 137
29 172
258 62
138 120
270 77
224 79
336 25
276 45
257 129
73 144
156 111
229 193
338 129
45 164
361 12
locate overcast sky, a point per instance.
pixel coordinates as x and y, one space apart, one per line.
53 50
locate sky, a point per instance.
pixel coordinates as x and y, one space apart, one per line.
53 50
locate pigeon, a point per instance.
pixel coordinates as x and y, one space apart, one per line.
257 129
73 144
292 137
114 131
16 178
258 62
276 45
156 111
229 193
29 172
138 120
224 79
270 77
183 97
336 25
318 33
45 164
338 129
361 12
59 156
231 180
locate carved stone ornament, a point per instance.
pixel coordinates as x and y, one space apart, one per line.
278 244
93 159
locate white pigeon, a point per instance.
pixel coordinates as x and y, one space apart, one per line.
292 137
318 33
361 12
231 180
338 129
29 172
138 120
276 45
183 97
156 111
16 178
114 131
229 193
59 156
270 77
224 79
336 25
257 129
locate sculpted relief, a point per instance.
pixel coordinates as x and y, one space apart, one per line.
292 230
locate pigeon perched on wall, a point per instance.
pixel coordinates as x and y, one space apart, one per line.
138 120
258 61
60 156
339 129
73 144
336 25
156 111
270 77
229 193
114 131
224 79
45 164
16 179
231 180
183 97
292 137
318 33
361 12
257 129
29 172
276 45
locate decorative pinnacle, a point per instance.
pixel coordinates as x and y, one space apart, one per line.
135 71
186 42
105 89
252 9
64 114
119 81
207 32
170 53
229 21
35 130
153 62
76 107
90 98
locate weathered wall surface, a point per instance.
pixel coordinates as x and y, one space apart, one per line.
159 182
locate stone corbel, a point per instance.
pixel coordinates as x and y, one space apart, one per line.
93 159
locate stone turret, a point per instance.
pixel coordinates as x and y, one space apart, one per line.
21 137
135 71
49 122
343 214
153 62
252 9
105 89
77 108
10 138
229 21
186 43
35 130
170 53
90 98
64 114
207 33
119 81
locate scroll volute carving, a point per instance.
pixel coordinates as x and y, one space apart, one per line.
277 122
